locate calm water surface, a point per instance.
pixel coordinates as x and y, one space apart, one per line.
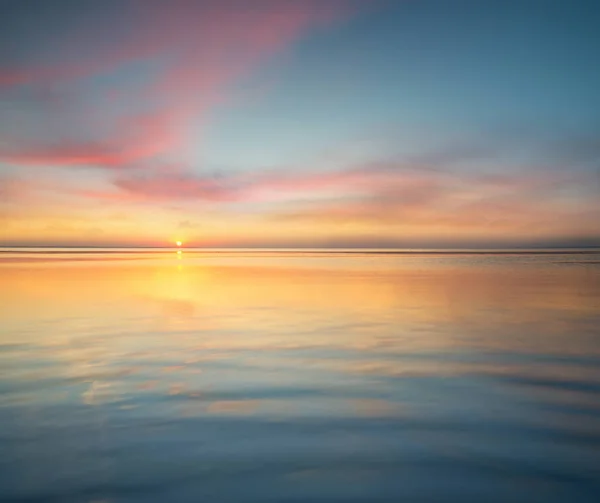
296 377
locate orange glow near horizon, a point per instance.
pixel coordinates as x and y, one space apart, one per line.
171 295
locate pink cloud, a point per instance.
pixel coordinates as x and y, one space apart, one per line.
178 184
136 138
378 196
198 50
434 199
376 192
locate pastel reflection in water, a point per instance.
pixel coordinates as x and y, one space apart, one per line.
299 376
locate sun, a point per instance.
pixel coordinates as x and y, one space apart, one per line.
178 243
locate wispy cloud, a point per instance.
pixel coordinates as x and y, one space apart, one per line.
384 201
135 139
390 195
191 54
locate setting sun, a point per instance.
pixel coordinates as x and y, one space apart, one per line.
178 243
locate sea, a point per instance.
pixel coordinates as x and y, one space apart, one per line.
195 375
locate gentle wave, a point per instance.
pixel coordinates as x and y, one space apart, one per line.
425 378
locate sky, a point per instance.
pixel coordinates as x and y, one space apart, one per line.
300 123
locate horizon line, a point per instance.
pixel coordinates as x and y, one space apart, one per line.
116 249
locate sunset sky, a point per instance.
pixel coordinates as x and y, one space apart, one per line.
268 123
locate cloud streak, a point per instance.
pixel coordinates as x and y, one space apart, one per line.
379 201
383 197
192 53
